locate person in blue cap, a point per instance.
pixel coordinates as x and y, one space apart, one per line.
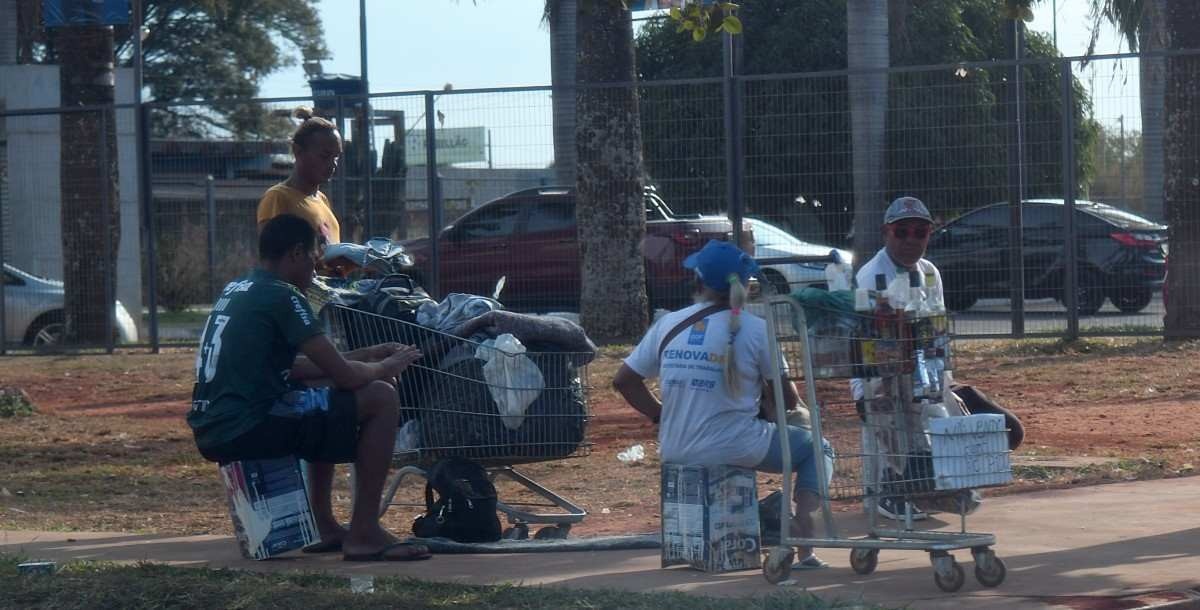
713 363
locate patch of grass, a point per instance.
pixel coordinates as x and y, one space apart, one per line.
1139 469
1107 346
104 585
14 403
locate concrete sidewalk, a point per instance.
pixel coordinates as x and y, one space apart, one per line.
1082 549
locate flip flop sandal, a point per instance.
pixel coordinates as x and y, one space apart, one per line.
417 552
324 546
812 562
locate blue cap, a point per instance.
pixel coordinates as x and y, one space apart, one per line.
717 260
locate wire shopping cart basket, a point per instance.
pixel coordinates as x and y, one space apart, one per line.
473 400
898 444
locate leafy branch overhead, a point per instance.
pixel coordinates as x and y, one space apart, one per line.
702 20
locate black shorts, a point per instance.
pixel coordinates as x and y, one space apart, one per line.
314 424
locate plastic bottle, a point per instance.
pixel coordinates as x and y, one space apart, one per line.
885 326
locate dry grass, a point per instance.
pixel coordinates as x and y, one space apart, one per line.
108 448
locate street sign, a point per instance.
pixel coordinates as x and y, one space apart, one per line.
454 145
60 13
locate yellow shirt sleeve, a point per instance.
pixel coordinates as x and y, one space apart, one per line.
271 205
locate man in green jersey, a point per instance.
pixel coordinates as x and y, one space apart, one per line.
270 384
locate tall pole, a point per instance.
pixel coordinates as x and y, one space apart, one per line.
145 196
368 120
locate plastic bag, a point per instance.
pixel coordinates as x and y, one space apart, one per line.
632 455
513 379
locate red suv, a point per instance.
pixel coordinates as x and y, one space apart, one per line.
529 238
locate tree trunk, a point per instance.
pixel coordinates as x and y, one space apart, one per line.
91 228
1152 86
562 78
1181 160
867 49
609 207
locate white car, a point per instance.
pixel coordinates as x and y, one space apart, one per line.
772 242
33 311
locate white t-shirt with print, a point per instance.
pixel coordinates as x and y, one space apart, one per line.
702 423
883 264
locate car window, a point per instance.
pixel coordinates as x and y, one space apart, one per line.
995 216
1035 216
551 216
495 221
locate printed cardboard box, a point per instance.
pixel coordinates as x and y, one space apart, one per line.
268 501
710 518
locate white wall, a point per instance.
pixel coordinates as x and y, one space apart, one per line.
35 196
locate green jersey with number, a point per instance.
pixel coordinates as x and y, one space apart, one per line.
246 353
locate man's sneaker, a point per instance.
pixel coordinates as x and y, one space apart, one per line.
892 507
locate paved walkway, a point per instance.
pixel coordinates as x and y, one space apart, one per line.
1079 549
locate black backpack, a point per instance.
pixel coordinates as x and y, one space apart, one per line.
465 509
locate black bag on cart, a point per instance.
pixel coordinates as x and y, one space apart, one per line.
465 508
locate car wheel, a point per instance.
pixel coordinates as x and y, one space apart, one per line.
46 330
959 300
1131 300
1089 295
774 283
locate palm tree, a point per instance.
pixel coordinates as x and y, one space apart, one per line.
867 50
560 15
609 207
91 228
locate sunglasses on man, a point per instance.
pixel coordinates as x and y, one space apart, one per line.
904 232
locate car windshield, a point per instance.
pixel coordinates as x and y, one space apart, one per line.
1121 218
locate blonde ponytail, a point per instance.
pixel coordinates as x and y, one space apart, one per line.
737 299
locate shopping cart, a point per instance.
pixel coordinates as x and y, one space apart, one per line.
886 451
449 408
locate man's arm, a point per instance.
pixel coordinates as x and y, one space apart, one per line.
633 388
304 368
791 398
322 360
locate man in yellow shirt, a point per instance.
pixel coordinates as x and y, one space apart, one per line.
317 147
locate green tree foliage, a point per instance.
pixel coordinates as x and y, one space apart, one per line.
947 137
203 50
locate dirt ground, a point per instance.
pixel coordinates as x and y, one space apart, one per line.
109 449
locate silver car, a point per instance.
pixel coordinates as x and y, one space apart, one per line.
33 311
771 241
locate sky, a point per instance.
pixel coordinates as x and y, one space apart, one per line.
492 43
425 45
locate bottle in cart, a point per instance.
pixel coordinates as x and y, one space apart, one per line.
862 346
886 323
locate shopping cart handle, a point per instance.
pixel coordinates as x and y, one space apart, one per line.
833 257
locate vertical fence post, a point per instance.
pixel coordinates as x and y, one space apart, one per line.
733 137
106 227
3 272
210 201
146 196
339 179
368 165
1070 273
433 194
1015 179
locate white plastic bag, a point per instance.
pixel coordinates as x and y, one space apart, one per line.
632 455
513 379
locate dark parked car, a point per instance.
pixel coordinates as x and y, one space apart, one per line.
529 238
1120 256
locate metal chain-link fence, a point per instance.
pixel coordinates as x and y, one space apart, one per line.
468 180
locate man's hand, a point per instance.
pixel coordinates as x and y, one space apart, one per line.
400 358
383 351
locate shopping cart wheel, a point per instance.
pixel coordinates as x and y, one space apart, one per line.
948 575
519 531
778 566
864 561
989 569
553 532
